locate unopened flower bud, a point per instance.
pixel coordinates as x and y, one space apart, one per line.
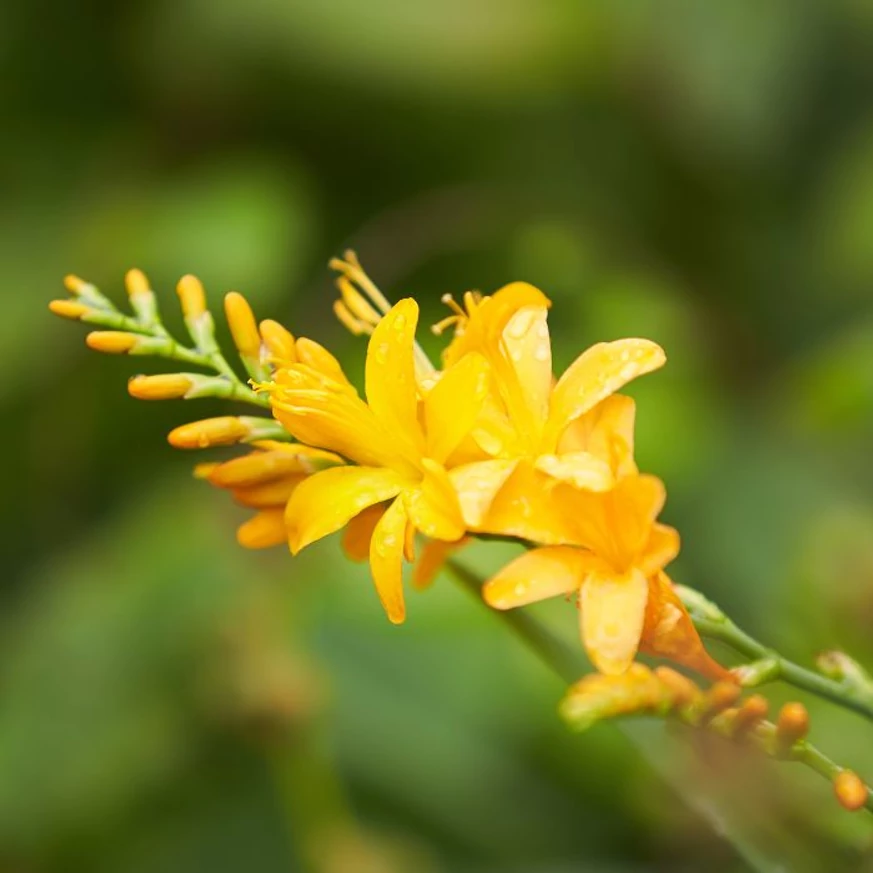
222 431
850 790
192 296
279 341
681 689
751 712
111 342
255 469
264 530
167 386
68 308
135 282
792 724
77 286
243 328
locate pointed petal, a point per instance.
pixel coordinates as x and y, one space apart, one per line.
433 555
476 486
526 340
359 532
606 431
263 530
579 469
321 412
392 391
319 358
537 575
326 501
453 405
386 560
612 613
662 547
530 507
616 524
669 632
433 506
595 374
269 494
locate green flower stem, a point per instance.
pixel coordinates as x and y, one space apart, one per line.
568 666
157 342
768 665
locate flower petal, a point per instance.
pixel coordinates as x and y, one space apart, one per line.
453 405
606 431
530 507
433 555
323 413
594 375
269 494
359 532
616 524
526 340
537 575
326 501
433 506
263 530
579 469
612 613
319 358
386 560
662 547
392 391
669 632
476 486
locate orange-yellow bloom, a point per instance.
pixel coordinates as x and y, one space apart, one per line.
534 433
615 567
398 441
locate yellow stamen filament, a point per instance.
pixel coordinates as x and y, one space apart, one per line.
348 321
243 328
111 342
350 267
851 792
279 341
167 386
222 431
68 308
135 282
357 303
192 296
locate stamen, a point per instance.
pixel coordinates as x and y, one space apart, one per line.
352 270
453 304
356 302
447 322
348 321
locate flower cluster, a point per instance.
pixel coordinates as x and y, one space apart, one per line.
488 443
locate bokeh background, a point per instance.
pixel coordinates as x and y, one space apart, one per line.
697 173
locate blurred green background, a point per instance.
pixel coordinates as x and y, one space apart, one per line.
696 173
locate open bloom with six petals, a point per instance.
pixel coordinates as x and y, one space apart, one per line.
397 441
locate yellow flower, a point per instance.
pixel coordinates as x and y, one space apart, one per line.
397 441
616 570
264 480
535 433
